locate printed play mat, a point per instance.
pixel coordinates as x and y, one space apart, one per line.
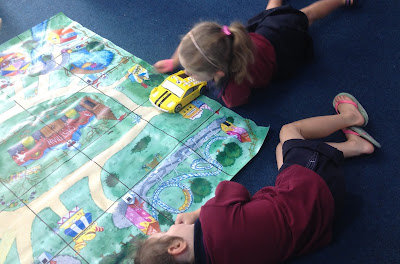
88 165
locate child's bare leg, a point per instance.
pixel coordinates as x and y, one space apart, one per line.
354 146
273 4
323 126
320 9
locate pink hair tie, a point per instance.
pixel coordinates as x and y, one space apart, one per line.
226 30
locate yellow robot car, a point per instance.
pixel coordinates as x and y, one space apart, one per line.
175 92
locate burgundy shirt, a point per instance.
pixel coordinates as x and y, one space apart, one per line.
261 72
292 218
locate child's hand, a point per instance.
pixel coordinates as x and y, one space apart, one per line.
187 218
164 66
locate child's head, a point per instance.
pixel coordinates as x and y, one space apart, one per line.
173 246
155 250
210 50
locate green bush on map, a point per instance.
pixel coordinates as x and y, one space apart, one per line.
94 46
126 253
200 188
112 179
141 145
224 159
164 218
231 152
230 119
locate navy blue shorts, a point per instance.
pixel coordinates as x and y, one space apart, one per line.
323 159
287 30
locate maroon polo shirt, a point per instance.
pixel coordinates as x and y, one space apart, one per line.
261 72
292 218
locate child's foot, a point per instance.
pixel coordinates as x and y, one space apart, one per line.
359 145
349 111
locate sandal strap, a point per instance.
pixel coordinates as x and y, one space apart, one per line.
344 102
349 131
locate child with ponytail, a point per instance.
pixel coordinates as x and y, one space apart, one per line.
235 60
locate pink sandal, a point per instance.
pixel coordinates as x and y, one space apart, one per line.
358 131
353 102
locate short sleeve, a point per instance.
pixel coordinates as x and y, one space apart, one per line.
235 94
228 193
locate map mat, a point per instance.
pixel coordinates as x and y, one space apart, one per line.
88 165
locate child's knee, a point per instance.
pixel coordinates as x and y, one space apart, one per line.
278 148
309 13
289 131
285 129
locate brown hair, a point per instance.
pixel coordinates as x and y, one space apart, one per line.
155 250
209 49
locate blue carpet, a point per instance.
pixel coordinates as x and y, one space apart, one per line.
355 51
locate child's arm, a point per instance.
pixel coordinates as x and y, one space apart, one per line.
187 218
168 65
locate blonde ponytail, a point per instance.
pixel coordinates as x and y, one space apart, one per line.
242 52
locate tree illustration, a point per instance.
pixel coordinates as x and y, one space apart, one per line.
112 179
224 159
164 218
200 188
126 255
94 46
231 152
141 145
230 119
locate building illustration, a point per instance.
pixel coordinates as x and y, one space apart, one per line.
79 225
139 217
61 133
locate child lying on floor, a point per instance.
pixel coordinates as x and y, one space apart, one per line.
236 60
290 219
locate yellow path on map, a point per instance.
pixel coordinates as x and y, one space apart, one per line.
16 225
